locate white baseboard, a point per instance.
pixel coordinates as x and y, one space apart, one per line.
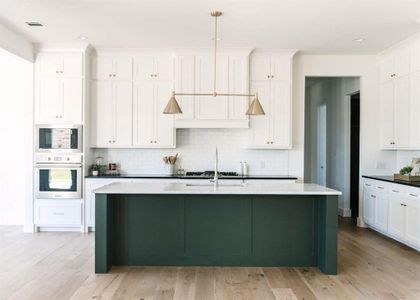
360 223
344 212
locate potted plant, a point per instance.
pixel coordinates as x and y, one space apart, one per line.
96 169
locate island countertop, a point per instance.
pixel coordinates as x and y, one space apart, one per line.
222 189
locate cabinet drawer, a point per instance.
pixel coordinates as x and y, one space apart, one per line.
47 213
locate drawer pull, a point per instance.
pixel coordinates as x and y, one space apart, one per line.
381 187
367 184
395 191
414 195
373 196
58 214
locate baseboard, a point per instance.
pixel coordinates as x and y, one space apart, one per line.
360 223
344 212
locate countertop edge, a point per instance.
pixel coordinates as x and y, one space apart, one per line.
391 180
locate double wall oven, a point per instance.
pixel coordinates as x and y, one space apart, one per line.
58 167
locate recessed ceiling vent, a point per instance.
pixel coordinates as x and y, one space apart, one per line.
34 24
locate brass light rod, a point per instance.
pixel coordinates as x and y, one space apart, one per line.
214 94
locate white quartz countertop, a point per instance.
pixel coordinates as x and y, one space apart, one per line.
222 189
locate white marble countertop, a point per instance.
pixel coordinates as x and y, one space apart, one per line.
222 189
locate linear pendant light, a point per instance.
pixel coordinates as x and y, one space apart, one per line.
255 108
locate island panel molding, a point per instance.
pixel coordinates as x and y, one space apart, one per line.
210 229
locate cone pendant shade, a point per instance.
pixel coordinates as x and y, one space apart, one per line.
255 109
172 107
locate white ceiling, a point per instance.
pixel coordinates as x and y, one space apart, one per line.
313 26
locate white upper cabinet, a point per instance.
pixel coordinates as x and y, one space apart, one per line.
152 128
395 65
194 73
60 64
266 67
59 88
208 107
271 74
117 67
400 98
112 114
185 82
58 100
147 67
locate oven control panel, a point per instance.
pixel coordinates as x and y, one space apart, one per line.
48 158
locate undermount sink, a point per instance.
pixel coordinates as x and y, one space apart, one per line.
212 184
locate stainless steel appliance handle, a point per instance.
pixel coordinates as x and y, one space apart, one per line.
58 166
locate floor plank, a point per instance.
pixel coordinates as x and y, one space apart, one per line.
61 266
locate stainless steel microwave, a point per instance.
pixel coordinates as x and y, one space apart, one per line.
60 138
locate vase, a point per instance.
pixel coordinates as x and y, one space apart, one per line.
95 173
169 169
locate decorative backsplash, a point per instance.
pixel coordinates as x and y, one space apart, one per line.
196 149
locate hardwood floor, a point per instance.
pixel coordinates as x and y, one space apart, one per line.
60 266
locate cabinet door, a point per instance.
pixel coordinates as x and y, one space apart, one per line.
260 67
387 69
238 77
164 124
280 66
280 114
402 112
211 108
48 100
260 125
415 58
402 63
123 67
184 82
72 104
397 217
123 110
103 118
369 203
164 67
144 114
144 68
72 65
414 110
381 211
102 67
412 233
387 114
49 64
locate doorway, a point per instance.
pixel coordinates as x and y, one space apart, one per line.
354 153
322 145
332 124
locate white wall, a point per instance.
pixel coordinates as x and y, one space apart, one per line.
196 148
16 44
372 160
16 138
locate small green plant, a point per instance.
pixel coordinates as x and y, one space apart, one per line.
100 168
406 170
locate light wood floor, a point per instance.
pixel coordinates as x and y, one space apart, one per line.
60 266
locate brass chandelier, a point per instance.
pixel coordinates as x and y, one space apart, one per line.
254 108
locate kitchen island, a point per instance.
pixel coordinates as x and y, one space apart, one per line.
175 224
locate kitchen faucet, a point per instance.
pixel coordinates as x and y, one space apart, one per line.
216 171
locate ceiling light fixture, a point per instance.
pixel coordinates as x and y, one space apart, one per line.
255 108
82 37
35 24
359 40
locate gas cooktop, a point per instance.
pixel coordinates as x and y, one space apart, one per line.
210 174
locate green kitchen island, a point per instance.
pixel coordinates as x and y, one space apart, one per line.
175 224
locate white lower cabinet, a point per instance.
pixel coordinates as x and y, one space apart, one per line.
58 213
393 209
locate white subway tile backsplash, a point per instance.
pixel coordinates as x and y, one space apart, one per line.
196 149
